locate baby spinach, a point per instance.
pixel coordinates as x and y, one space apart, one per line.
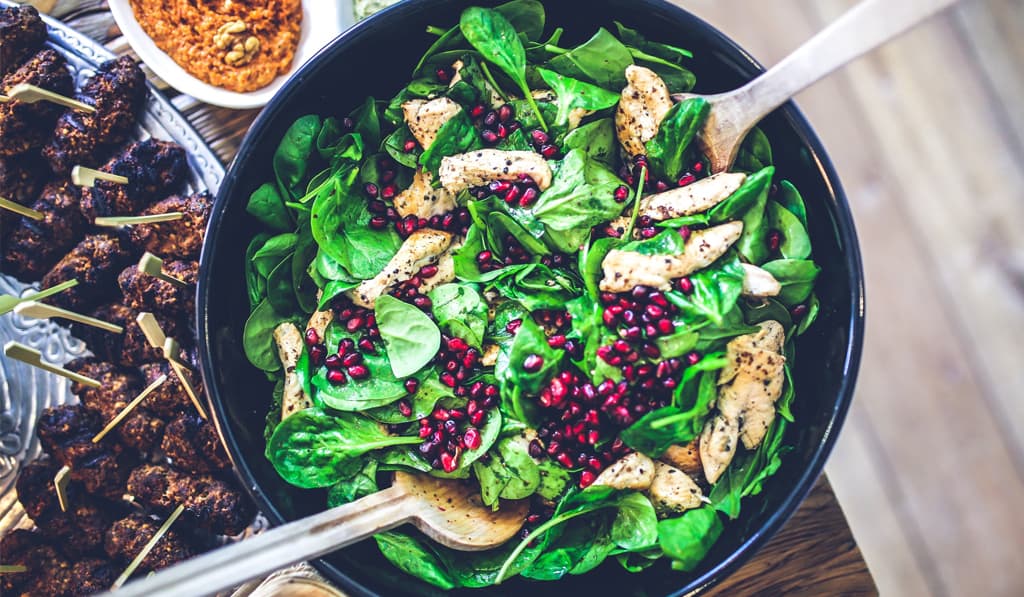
554 479
292 157
755 152
457 135
276 248
492 217
534 285
255 283
636 524
748 471
359 485
510 473
596 139
280 293
265 204
795 242
394 145
258 337
412 557
311 448
715 292
302 282
677 344
573 94
367 123
667 150
379 389
460 309
688 538
789 197
602 60
422 403
666 242
411 338
796 276
813 308
498 42
748 196
529 341
663 59
660 429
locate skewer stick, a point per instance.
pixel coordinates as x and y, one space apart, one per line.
37 310
157 339
148 547
30 94
87 177
8 302
60 483
20 209
154 266
12 569
118 221
30 356
127 409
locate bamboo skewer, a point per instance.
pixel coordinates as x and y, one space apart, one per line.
20 209
30 94
148 547
60 484
118 221
157 339
128 409
37 310
87 177
154 266
8 302
12 569
29 356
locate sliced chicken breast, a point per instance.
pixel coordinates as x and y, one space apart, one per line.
422 200
477 168
718 444
423 247
673 491
689 200
644 104
634 471
289 348
425 117
758 283
684 457
445 269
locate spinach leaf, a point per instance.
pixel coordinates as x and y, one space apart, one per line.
255 283
274 412
636 524
748 471
751 193
480 569
412 557
785 402
526 16
276 248
516 141
460 309
394 145
265 204
688 538
411 338
497 41
795 242
310 448
602 60
755 153
258 337
797 278
660 429
633 38
511 473
666 242
596 139
457 135
582 546
789 197
591 257
581 196
422 403
813 307
534 285
667 150
554 479
292 157
572 94
332 290
280 293
492 217
663 59
367 124
677 344
360 485
305 252
715 292
379 389
529 341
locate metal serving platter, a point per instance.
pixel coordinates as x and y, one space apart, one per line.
25 391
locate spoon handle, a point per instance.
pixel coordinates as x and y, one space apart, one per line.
277 548
861 29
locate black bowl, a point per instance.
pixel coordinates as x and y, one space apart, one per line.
376 58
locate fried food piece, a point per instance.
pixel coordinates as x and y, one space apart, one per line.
33 247
141 429
25 126
66 433
154 169
130 348
22 177
217 505
95 263
117 90
22 547
143 292
170 399
126 538
180 239
22 33
93 575
193 445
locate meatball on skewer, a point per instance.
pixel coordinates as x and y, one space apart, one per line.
22 33
95 263
25 126
129 348
149 293
140 429
170 399
214 504
180 239
117 91
126 538
34 246
193 446
154 169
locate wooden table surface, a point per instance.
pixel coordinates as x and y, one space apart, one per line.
814 553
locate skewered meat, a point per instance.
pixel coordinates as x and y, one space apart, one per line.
66 433
62 578
21 177
180 239
25 126
130 348
140 429
214 504
21 547
170 399
35 246
193 446
81 529
95 263
153 168
126 538
93 575
147 293
22 33
117 90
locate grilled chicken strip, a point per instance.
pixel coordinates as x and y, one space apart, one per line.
154 169
758 283
95 263
445 269
748 388
692 199
673 491
289 348
684 457
477 168
22 34
423 247
33 247
425 118
644 104
179 239
117 90
25 126
423 200
625 270
633 471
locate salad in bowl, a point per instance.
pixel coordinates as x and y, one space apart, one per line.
519 271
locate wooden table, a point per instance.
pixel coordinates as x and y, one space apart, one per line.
814 553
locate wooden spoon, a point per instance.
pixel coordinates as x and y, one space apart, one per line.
448 511
861 29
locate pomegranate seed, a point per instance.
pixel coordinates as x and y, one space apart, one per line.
423 302
565 460
536 448
502 131
366 345
448 379
666 327
404 407
693 358
347 124
449 462
651 351
686 179
557 341
505 113
593 436
489 137
774 240
457 345
346 346
355 324
539 137
660 186
358 372
443 75
477 111
484 257
685 285
798 312
336 377
409 146
621 194
532 363
491 119
352 359
685 233
549 151
513 326
632 333
605 352
333 362
621 347
312 337
371 190
529 196
491 391
428 271
317 353
499 187
513 194
698 167
472 438
654 311
450 426
587 479
477 419
425 431
411 385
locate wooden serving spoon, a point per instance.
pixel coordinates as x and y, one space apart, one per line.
448 511
861 29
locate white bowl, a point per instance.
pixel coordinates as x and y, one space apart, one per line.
330 19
